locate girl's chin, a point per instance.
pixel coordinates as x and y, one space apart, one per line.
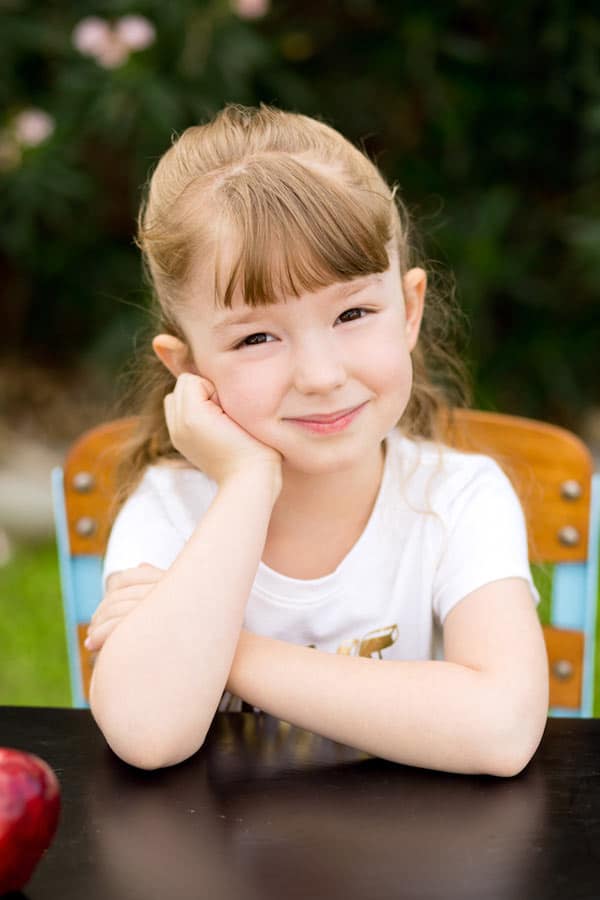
320 460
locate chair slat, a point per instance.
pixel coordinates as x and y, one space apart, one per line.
565 659
542 461
94 456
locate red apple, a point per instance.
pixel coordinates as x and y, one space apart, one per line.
29 809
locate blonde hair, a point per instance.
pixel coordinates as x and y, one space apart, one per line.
304 208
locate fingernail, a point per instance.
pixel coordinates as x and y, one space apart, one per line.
87 643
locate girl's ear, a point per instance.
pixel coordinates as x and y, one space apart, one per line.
174 354
415 286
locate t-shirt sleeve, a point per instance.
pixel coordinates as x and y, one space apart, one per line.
486 538
143 531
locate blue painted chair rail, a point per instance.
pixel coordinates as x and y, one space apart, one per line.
81 585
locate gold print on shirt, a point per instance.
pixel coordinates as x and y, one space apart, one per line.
371 644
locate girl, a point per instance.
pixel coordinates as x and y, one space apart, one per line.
294 530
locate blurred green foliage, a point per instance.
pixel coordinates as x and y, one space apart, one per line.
34 667
487 115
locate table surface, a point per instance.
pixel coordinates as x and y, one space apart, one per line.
266 810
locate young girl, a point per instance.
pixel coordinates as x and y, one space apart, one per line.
295 531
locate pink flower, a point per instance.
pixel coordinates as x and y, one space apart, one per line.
110 45
32 127
136 32
250 9
113 53
91 35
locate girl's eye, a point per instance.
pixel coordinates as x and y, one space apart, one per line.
251 342
358 309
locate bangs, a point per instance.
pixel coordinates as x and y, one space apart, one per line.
283 227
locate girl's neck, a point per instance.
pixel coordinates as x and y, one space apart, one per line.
344 499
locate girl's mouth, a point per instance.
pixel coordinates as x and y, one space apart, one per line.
332 426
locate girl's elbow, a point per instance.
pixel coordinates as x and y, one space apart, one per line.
143 747
509 763
152 762
515 724
514 746
150 757
145 739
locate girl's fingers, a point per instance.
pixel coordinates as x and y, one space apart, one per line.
135 592
126 589
143 574
108 619
117 609
98 636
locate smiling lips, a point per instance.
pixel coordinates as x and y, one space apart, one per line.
331 417
331 424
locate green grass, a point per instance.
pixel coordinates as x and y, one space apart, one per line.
542 578
34 669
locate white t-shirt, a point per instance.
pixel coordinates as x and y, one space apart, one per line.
443 524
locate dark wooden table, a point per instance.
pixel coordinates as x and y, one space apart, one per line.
265 810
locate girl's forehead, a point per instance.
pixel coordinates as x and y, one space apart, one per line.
217 292
263 266
221 318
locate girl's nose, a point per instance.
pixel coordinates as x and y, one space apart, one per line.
318 368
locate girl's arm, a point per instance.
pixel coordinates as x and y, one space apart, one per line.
482 710
159 677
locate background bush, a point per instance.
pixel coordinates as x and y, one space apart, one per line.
487 115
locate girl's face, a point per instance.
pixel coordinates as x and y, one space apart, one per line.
327 351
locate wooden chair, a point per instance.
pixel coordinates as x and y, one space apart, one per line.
552 472
83 493
550 468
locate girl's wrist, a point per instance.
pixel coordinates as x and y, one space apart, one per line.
267 477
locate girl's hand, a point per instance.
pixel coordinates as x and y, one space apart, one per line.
203 432
124 590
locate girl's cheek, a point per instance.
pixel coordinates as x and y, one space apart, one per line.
245 398
394 366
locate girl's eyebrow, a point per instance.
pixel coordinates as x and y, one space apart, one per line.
251 314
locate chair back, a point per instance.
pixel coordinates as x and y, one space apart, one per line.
84 493
551 471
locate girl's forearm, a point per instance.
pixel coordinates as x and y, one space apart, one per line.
433 714
158 679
